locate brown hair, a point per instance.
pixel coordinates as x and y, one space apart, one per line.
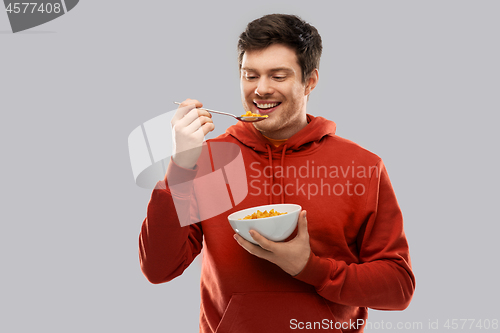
289 30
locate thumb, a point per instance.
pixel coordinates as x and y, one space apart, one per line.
302 224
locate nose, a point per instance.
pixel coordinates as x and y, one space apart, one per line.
264 87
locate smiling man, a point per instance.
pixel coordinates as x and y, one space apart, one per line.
349 251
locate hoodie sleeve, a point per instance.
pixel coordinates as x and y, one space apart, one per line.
166 248
383 278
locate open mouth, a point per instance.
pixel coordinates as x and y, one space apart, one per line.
266 107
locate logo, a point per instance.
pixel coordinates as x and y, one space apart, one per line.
219 184
26 15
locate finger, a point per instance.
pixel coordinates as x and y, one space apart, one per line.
181 112
184 108
188 119
207 127
204 113
197 123
198 105
264 243
191 117
190 101
251 248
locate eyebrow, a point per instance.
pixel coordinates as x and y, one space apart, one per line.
278 69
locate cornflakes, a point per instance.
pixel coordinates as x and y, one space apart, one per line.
259 214
250 114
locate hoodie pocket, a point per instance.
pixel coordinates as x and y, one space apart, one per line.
277 312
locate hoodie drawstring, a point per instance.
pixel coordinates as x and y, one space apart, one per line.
282 174
282 189
272 173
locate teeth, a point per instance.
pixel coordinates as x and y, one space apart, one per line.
267 106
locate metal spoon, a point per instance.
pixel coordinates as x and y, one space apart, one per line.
248 119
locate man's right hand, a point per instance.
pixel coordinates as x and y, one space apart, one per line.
189 127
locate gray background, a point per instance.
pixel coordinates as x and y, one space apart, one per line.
416 82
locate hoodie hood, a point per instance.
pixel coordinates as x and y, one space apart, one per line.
316 129
306 139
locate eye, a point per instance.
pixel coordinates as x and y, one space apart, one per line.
250 77
279 77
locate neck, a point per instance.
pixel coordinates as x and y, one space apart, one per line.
286 133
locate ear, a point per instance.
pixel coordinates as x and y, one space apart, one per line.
312 82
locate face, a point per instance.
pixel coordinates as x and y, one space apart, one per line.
271 84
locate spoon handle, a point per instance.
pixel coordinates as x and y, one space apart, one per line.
213 111
219 112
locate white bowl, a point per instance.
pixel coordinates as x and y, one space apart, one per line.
275 228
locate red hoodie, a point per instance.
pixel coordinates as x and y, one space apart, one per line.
359 253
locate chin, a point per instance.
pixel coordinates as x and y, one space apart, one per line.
270 127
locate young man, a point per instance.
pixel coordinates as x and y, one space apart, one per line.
349 252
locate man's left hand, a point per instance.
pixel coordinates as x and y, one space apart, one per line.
291 256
